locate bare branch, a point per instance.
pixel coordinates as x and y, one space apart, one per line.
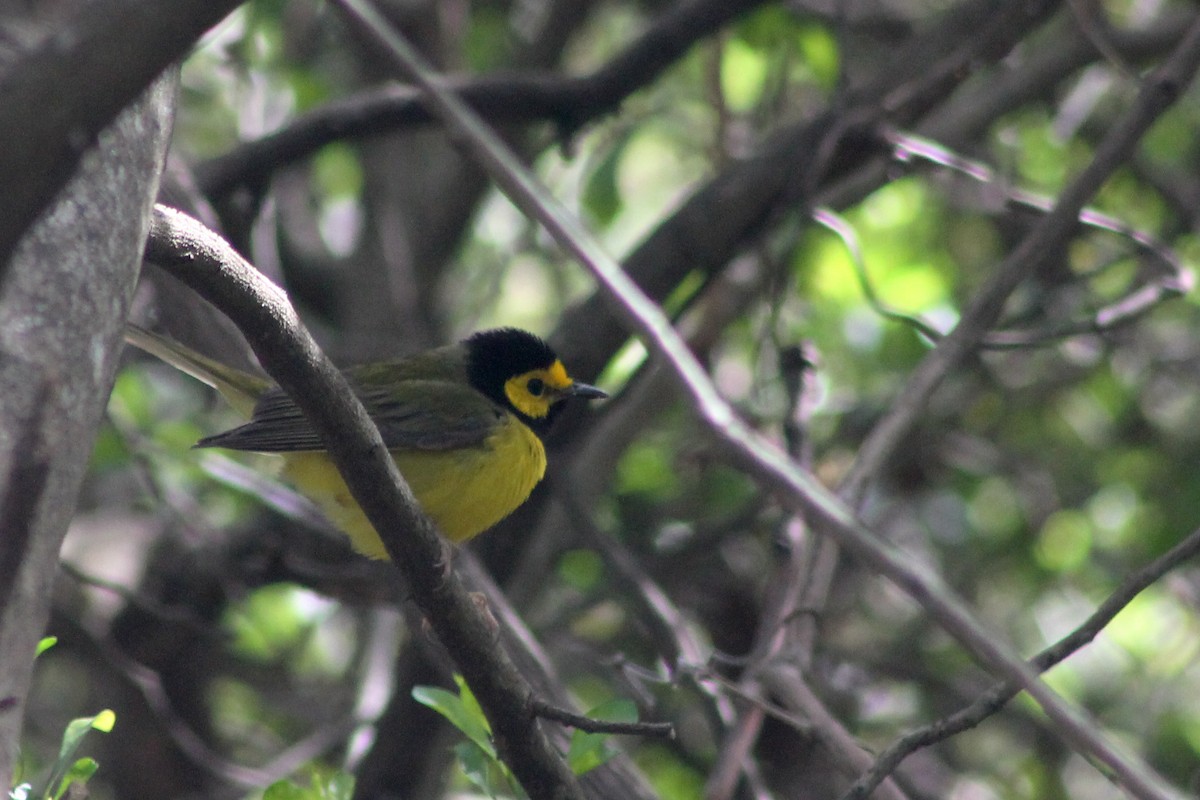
801 490
787 683
1158 93
569 102
776 639
543 709
996 697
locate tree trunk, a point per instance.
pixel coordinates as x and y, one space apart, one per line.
63 304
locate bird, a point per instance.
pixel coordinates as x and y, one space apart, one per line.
464 424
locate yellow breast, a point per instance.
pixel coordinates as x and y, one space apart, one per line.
464 492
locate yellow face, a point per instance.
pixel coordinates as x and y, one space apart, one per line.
534 392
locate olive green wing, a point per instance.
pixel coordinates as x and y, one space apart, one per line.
414 415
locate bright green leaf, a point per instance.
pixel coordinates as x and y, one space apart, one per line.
286 790
461 714
104 721
820 51
336 786
79 774
472 705
76 730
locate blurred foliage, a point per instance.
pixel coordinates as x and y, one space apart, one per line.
239 641
338 786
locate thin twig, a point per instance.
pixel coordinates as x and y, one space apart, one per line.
663 730
148 683
840 227
1092 24
1173 280
787 683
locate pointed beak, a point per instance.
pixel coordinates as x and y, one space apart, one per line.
585 391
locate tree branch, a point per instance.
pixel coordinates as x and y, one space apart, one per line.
1159 92
799 489
21 493
543 709
998 696
568 102
722 216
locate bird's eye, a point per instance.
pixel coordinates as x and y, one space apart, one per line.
536 387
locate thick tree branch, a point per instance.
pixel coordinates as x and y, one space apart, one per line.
65 296
799 489
120 46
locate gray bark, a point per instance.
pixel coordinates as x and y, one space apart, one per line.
63 304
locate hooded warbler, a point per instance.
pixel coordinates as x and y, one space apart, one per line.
463 423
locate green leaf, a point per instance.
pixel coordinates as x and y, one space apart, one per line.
744 72
336 786
476 765
104 721
286 790
72 738
79 773
472 705
590 750
462 711
78 728
45 644
340 786
819 49
477 756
